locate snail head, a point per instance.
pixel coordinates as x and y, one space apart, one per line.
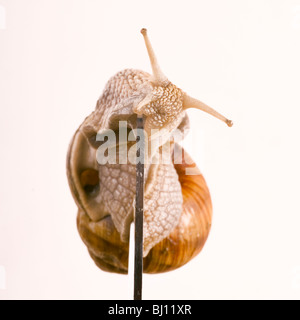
164 106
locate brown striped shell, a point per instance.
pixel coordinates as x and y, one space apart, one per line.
183 244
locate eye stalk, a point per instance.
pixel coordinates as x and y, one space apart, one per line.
189 102
159 77
161 80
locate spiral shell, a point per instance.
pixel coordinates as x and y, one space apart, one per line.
183 244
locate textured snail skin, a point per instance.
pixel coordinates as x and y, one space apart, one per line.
183 218
117 182
184 243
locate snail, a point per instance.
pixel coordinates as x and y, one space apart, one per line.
177 206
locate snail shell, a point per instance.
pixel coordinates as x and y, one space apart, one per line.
178 209
103 240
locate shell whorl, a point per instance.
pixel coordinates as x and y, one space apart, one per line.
183 243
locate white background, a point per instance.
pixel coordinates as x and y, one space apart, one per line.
240 57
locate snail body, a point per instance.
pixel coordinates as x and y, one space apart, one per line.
177 209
